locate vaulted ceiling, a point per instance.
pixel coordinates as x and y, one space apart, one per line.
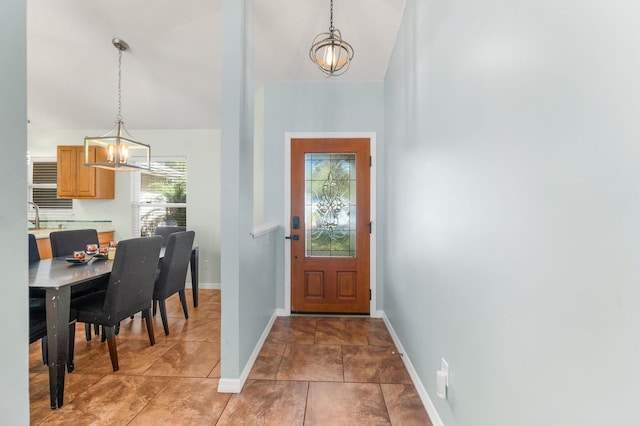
171 74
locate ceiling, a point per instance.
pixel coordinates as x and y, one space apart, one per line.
171 74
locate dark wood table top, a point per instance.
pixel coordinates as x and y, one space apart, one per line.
57 272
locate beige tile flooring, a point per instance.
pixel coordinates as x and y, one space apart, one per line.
312 370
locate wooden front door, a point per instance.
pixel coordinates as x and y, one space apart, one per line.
330 225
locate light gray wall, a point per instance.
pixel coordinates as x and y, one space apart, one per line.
201 147
248 275
315 107
512 208
14 316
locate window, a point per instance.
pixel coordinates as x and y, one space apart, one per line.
43 177
160 196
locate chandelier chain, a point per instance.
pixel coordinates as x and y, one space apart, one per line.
331 27
119 116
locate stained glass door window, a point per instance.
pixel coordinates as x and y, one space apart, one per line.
330 205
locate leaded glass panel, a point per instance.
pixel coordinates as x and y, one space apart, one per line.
330 205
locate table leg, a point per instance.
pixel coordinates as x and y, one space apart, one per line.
57 306
195 256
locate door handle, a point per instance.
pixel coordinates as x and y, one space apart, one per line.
293 237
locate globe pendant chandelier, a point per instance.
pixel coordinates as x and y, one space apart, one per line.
330 52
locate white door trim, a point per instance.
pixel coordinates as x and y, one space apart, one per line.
287 209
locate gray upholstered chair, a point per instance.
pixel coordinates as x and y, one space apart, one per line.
34 253
129 291
173 273
165 231
64 243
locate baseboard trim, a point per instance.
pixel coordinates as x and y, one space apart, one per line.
229 386
283 313
422 391
236 385
206 286
377 314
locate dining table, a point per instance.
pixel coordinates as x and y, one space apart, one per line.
59 278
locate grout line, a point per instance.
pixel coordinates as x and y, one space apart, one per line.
306 403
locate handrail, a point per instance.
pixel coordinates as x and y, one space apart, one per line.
261 230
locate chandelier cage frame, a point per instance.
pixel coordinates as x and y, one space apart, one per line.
114 150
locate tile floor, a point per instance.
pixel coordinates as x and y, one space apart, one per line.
311 371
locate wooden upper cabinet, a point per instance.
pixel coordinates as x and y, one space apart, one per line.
75 180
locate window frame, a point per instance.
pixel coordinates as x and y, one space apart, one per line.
46 214
136 191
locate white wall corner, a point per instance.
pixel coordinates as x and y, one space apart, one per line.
236 385
422 391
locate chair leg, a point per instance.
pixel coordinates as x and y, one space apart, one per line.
183 300
87 331
163 314
146 314
155 307
45 351
72 347
96 329
111 341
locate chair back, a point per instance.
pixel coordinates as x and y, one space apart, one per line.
173 266
165 231
34 253
64 243
130 287
37 324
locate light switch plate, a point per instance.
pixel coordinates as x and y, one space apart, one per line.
445 369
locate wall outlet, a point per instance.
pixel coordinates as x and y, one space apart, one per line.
206 264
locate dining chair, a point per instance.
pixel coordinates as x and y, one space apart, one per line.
64 243
173 273
165 231
36 297
129 291
37 328
34 253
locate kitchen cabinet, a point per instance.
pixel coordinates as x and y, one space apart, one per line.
75 180
44 248
104 238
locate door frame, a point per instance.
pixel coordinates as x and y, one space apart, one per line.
288 136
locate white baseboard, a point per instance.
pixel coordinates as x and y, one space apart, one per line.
230 385
283 313
206 286
422 391
377 314
236 385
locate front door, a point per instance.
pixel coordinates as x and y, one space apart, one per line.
330 225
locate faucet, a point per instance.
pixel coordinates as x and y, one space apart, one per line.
37 221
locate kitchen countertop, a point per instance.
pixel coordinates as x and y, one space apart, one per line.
44 232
